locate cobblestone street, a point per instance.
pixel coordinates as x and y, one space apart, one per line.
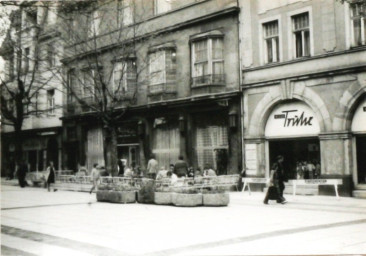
37 222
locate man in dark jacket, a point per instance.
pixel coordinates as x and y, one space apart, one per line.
181 167
21 172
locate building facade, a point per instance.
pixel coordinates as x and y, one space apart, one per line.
304 87
181 84
31 52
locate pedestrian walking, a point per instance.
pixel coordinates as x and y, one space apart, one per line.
21 173
181 167
277 179
50 177
152 167
95 176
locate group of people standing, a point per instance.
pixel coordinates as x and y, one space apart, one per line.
179 169
307 169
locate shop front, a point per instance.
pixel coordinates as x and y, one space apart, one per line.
292 131
358 130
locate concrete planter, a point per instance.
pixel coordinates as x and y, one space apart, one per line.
216 199
123 197
180 199
146 193
164 198
102 196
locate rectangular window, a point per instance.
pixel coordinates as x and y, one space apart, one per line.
72 84
358 20
94 24
26 59
88 86
50 55
162 6
157 67
120 78
51 101
208 61
125 13
301 35
271 41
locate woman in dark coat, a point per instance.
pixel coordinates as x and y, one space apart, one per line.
51 176
276 187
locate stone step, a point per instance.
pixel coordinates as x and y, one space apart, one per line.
359 194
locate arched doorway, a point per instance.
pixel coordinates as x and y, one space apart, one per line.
292 130
358 129
52 152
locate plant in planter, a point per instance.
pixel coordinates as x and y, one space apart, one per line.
215 196
146 192
102 193
163 192
186 196
123 193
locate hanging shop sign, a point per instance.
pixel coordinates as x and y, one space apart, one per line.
359 119
292 119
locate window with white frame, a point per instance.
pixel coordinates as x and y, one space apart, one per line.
301 35
271 41
358 23
125 13
208 61
120 77
51 101
94 23
157 67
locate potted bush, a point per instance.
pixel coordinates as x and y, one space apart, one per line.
102 193
145 194
215 196
186 196
123 193
163 192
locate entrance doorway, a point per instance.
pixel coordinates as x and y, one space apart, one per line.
361 160
72 156
294 150
129 152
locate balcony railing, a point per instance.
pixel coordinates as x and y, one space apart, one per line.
208 80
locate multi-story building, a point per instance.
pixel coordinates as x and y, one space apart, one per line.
30 52
181 89
304 87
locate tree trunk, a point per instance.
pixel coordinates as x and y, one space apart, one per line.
18 153
110 150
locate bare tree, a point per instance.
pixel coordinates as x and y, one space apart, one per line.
23 28
102 79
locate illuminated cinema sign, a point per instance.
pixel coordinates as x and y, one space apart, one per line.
292 119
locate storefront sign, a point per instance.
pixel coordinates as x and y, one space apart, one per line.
251 159
317 182
359 119
293 119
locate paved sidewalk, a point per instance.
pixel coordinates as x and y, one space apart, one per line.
37 222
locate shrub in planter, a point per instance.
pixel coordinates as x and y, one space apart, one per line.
146 193
123 193
215 196
102 196
163 192
186 196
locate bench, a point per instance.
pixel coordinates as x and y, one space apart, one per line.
332 182
247 181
